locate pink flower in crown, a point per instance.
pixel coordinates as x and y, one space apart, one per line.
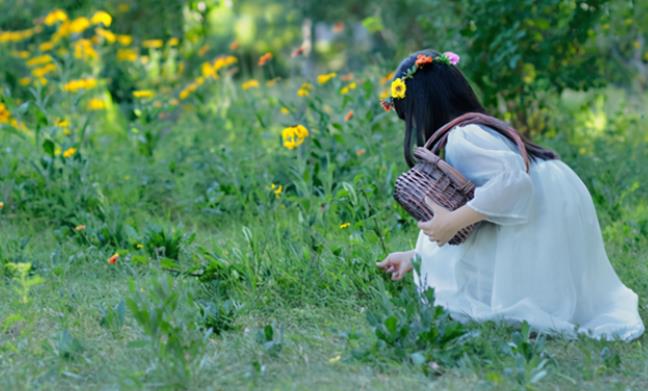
452 57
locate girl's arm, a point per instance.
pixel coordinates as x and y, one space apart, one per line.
465 216
446 223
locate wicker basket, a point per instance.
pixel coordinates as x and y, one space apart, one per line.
433 177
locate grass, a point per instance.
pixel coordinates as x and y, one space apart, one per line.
224 283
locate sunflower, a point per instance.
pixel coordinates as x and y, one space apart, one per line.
398 88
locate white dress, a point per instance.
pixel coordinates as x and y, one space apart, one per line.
539 256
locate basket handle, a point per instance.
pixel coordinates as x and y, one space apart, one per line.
440 136
461 182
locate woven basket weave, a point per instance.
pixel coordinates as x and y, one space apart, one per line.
433 177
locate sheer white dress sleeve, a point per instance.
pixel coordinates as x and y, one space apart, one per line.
504 191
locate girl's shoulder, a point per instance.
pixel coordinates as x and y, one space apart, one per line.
479 136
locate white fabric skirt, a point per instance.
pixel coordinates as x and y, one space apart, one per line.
552 271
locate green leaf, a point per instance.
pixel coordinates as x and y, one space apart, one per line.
391 323
373 24
49 147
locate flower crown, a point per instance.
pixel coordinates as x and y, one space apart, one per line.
398 86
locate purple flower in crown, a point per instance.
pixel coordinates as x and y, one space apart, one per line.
452 57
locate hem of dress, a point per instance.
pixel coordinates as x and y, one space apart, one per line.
628 334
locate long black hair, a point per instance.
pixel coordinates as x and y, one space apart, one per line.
436 94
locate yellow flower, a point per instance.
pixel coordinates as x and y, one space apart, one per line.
79 228
207 70
107 35
250 84
153 43
46 46
78 25
5 115
384 94
96 104
398 88
102 17
63 123
191 88
325 77
349 87
224 61
80 84
301 131
284 110
39 60
305 89
55 17
293 136
174 41
143 94
128 55
276 189
69 152
16 36
124 40
345 225
24 81
44 70
83 50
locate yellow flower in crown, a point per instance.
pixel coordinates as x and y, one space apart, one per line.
398 88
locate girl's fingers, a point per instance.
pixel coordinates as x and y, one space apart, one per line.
424 224
383 264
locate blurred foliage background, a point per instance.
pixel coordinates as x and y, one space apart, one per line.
516 53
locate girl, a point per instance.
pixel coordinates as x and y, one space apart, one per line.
538 254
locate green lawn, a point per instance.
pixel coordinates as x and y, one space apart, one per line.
223 284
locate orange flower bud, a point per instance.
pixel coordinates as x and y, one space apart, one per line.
265 58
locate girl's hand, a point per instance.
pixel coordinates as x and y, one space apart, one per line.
397 263
442 227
